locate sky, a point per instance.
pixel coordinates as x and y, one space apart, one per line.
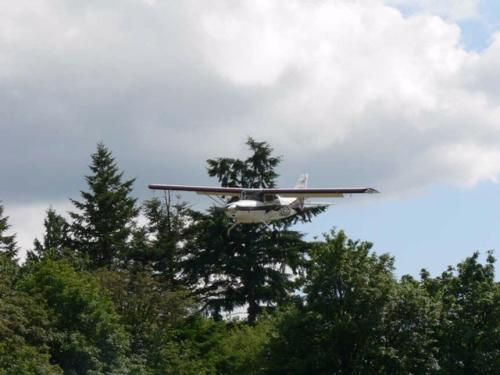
399 95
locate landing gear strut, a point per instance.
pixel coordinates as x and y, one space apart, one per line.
231 228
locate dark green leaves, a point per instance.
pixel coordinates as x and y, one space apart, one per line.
7 242
102 226
102 295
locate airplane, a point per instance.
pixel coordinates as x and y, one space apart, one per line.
264 205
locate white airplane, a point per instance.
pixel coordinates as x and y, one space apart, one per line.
267 204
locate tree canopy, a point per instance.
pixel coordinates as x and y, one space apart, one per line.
119 287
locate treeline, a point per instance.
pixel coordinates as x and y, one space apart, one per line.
107 293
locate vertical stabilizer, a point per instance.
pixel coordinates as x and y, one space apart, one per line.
301 184
302 181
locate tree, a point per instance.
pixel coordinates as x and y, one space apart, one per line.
252 266
408 339
25 332
244 347
88 336
56 239
338 326
192 348
166 230
103 225
149 309
257 171
7 243
469 334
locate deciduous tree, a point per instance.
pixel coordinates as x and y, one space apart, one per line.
88 335
337 328
469 334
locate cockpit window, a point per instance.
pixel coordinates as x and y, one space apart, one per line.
270 198
252 195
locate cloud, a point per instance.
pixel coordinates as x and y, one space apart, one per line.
451 9
352 92
361 88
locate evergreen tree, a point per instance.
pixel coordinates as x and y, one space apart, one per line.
56 238
257 171
251 266
7 243
103 225
167 229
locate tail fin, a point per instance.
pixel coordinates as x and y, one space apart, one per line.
302 181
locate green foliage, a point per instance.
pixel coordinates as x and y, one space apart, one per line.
100 295
252 266
469 334
408 333
25 332
56 240
103 225
257 171
166 230
88 337
357 319
149 309
7 243
193 348
338 326
244 347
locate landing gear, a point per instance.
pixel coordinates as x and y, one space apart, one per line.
231 228
266 224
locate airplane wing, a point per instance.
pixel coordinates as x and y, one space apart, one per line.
318 192
205 190
292 192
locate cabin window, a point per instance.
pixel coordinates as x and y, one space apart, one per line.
251 195
270 198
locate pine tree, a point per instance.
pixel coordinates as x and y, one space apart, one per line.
251 266
56 239
8 244
167 223
103 225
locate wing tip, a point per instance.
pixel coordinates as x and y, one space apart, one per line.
155 187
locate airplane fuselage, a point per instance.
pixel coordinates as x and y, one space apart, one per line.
249 211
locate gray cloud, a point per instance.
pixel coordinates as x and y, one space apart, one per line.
353 93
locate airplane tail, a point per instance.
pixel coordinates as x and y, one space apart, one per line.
301 184
302 181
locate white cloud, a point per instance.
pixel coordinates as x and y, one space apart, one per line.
359 82
452 9
351 91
